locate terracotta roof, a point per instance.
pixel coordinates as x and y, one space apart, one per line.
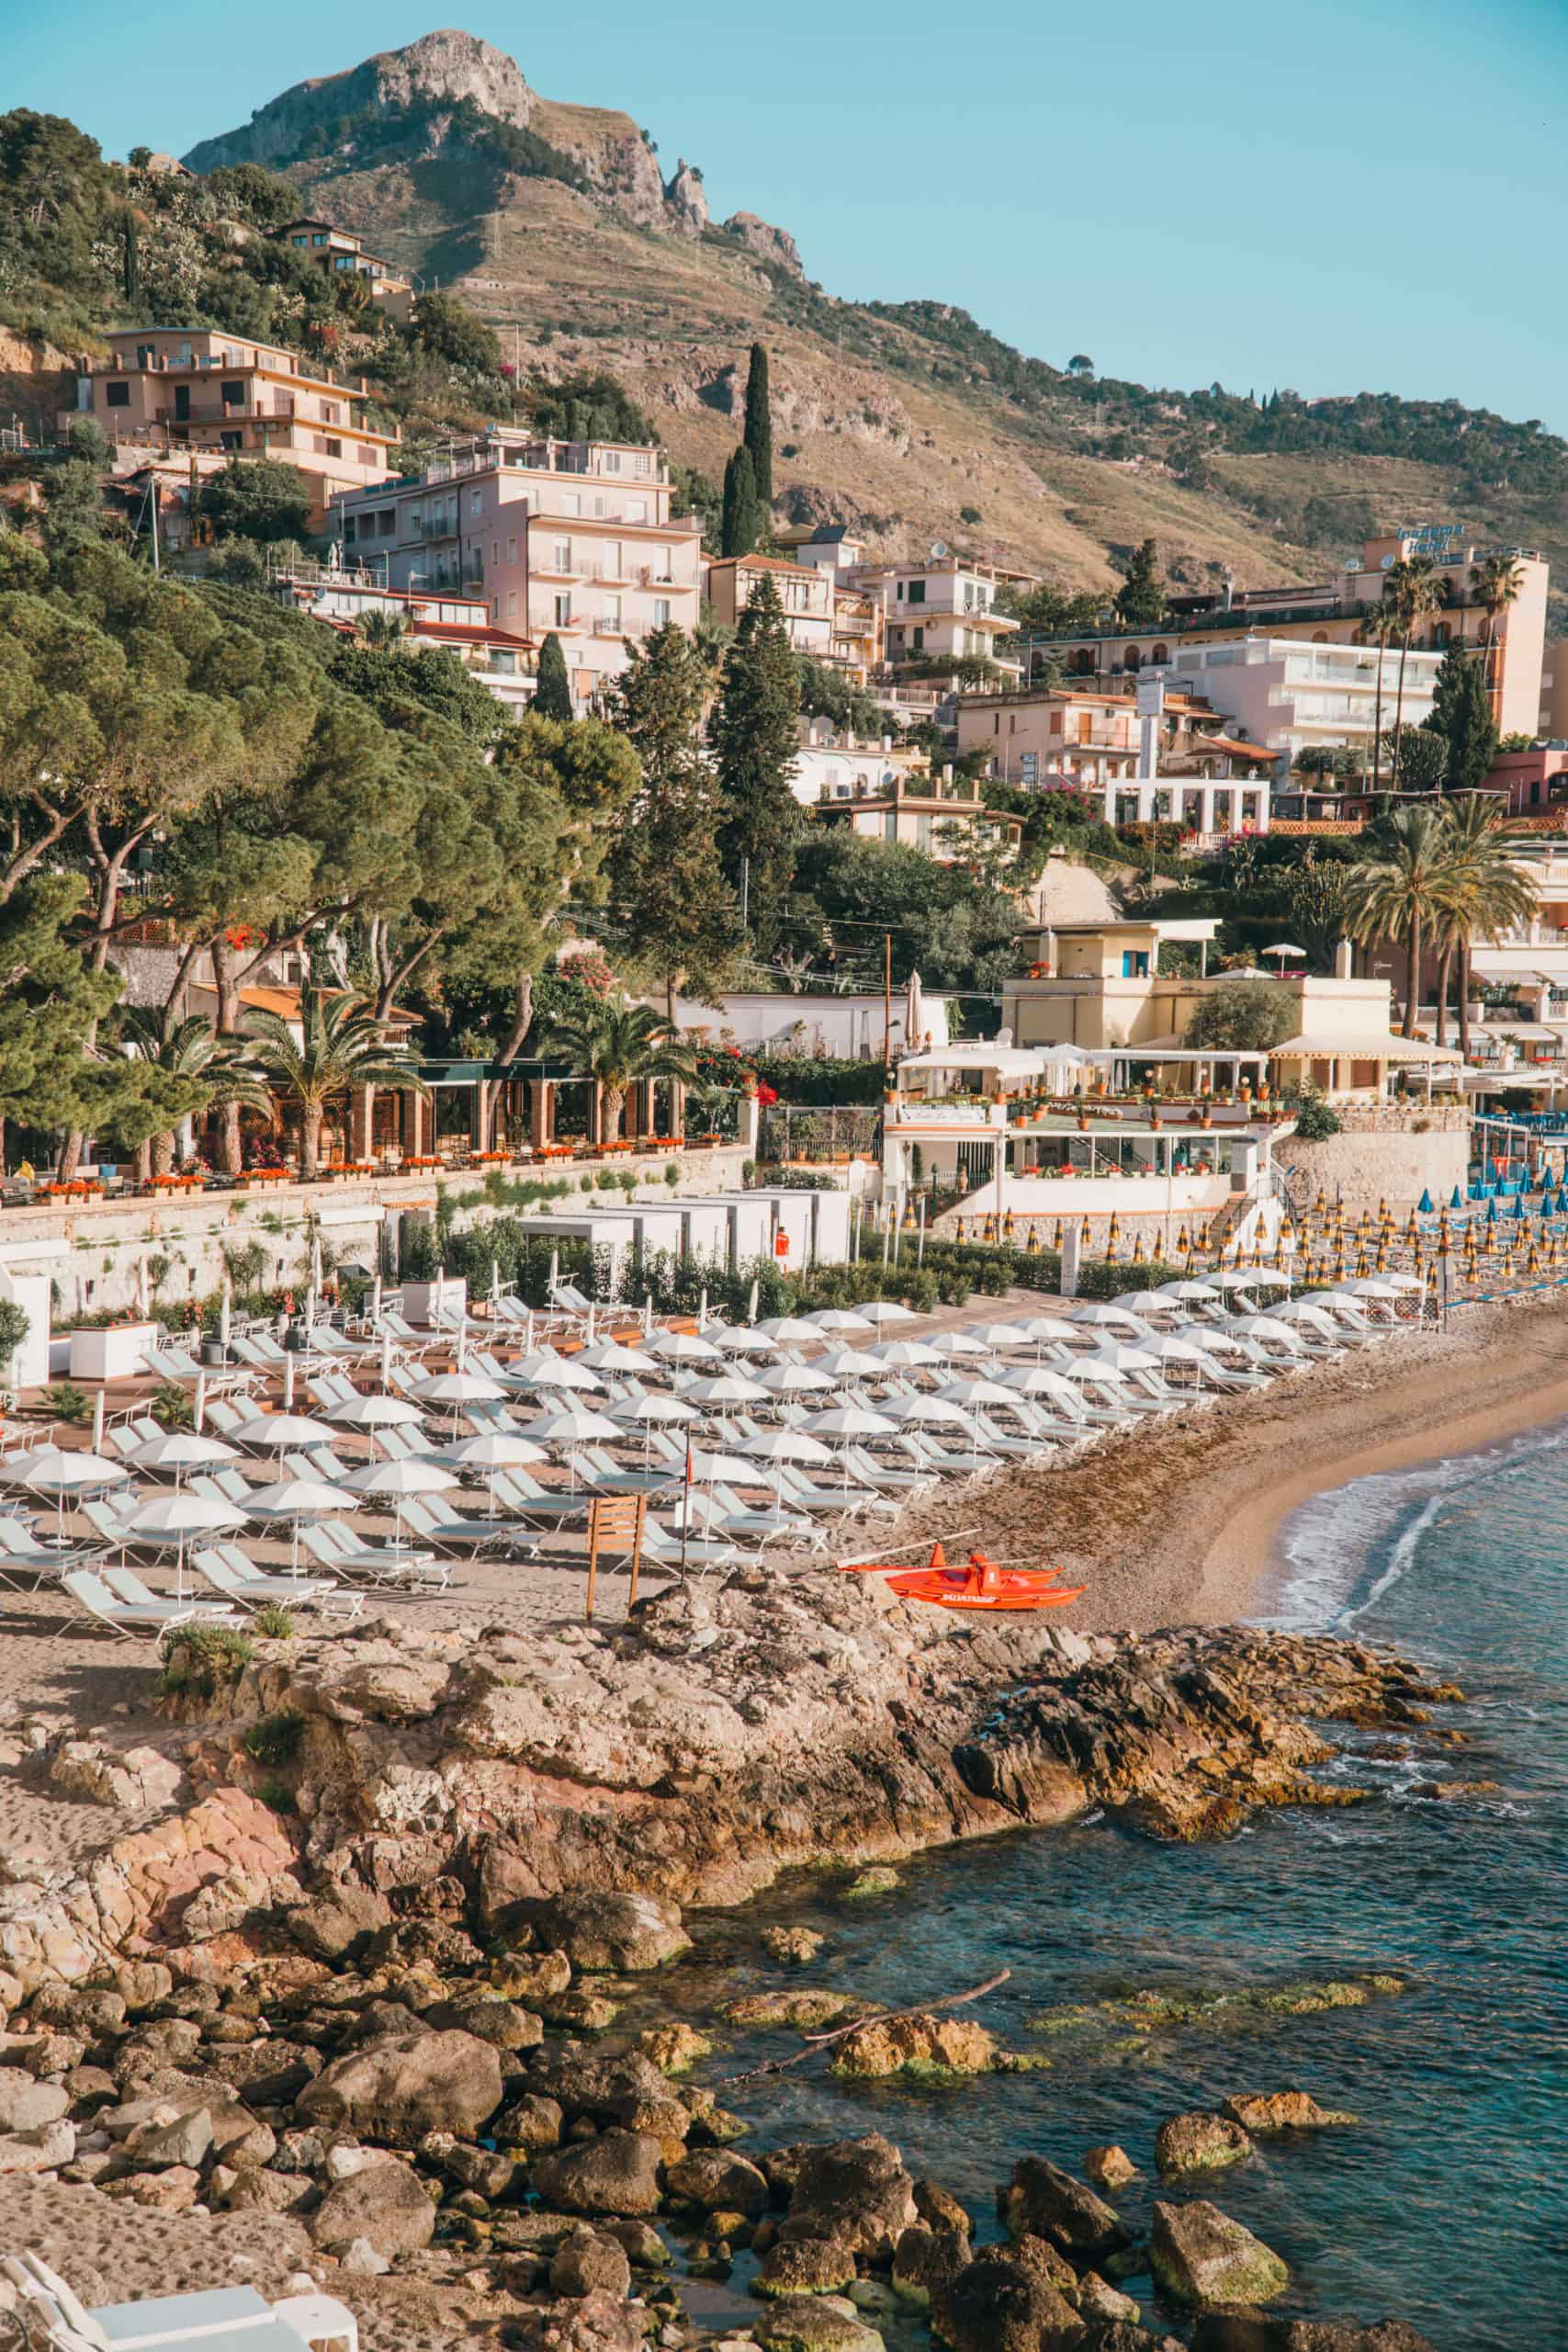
766 563
470 633
1235 747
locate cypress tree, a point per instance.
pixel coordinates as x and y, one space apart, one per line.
1470 730
741 521
1140 601
552 695
130 260
754 738
758 434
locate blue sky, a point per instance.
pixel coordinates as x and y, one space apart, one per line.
1321 195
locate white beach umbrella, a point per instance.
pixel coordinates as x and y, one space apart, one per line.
459 1388
883 1311
295 1498
971 1393
725 1388
611 1355
1174 1347
840 1318
174 1519
375 1413
999 1336
653 1405
1148 1302
1238 1277
707 1468
494 1449
182 1450
741 1339
1116 1355
683 1347
851 1364
282 1431
1103 1311
792 1379
1043 1329
1400 1282
926 1412
847 1422
1087 1368
786 1445
907 1355
566 1372
1307 1311
1200 1293
67 1476
790 1329
394 1482
1266 1327
572 1425
1373 1286
950 1344
1042 1380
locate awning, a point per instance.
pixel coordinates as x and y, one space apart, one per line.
1363 1048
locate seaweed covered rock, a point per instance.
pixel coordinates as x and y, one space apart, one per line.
1198 2142
1201 2255
1042 2200
1008 2298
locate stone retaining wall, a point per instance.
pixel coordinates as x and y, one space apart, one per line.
1363 1167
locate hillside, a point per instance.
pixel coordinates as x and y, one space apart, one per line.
556 225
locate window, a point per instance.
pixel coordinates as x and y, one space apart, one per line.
232 394
561 556
298 240
495 550
1029 767
503 659
997 723
612 461
476 501
329 412
116 395
333 448
917 592
512 603
637 510
662 612
664 563
231 440
563 612
1134 964
610 618
387 521
571 502
320 237
350 530
918 639
511 550
612 569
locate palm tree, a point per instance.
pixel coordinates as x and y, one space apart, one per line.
341 1046
1417 588
1492 894
1380 623
190 1049
1496 582
1405 889
382 632
617 1044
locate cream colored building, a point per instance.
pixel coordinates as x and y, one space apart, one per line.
338 252
805 595
571 537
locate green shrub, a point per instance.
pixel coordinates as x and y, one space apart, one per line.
66 1402
14 1330
672 1174
199 1660
274 1622
1316 1121
277 1794
172 1407
276 1738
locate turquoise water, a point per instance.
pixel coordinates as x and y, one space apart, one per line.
1446 2204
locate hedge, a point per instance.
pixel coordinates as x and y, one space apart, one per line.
817 1080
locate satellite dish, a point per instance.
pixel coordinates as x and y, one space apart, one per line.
939 549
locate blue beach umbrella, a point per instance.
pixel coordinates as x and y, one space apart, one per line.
1424 1205
1518 1207
1454 1200
1491 1210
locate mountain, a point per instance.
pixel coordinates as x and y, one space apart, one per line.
906 421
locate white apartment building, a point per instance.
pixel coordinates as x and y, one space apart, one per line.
505 663
573 537
939 611
1289 694
832 764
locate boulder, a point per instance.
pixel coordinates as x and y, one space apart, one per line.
1096 2299
715 2180
399 2088
485 2170
1282 2112
1042 2200
339 1924
807 2008
805 2266
27 2105
43 2150
1109 2167
916 2045
793 1946
814 2323
940 2209
1201 2255
532 1976
532 2124
181 2139
855 2192
624 1932
674 2048
1007 2300
387 2205
1198 2142
174 2190
1257 2332
490 2017
925 2262
594 2083
597 2323
645 2249
587 2264
616 2173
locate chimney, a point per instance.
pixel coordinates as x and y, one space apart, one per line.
1344 959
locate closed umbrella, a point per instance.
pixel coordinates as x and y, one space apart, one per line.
914 1014
174 1518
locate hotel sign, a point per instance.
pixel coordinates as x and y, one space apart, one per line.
1436 539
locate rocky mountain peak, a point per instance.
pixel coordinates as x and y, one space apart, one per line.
440 68
686 199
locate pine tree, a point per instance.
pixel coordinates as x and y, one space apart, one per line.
676 910
754 736
552 695
758 433
1470 728
1140 601
741 526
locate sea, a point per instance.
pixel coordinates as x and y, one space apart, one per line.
1446 2203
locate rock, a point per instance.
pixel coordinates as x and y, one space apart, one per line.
687 202
340 1924
805 2266
90 2011
252 2188
626 1933
532 2124
1199 2255
603 2085
1097 2299
1257 2332
582 2012
925 2261
587 2264
44 2149
362 2261
796 1947
492 2175
174 2190
1282 2112
774 246
386 2205
531 1977
674 2048
940 2209
1198 2142
490 2017
810 2006
712 2180
184 2140
644 2248
1007 2300
880 1880
165 2041
1109 2167
27 2105
814 2323
922 2046
267 2073
142 1983
1042 2200
855 2192
597 2323
401 2088
616 2173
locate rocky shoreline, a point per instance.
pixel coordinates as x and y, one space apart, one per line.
328 1984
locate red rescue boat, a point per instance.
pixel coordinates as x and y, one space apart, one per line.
981 1583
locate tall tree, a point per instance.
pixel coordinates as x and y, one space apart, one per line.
552 695
1496 582
1379 625
1462 715
1140 600
741 525
758 435
1490 893
190 1050
341 1046
1403 888
674 909
754 737
1417 588
618 1045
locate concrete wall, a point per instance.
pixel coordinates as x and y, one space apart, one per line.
1384 1154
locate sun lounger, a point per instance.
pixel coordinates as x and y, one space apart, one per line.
99 1602
233 1578
24 1554
663 1549
333 1547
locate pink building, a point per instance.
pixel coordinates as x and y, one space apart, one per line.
571 537
170 388
806 597
1534 781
